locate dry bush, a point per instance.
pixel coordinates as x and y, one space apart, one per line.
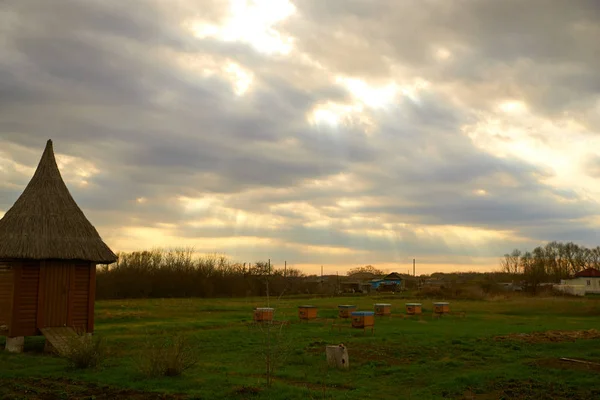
454 292
85 351
167 356
470 293
430 291
274 349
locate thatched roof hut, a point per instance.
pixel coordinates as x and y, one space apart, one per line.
48 256
46 223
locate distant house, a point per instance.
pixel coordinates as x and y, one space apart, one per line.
389 283
589 279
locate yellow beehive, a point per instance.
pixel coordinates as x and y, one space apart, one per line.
345 310
263 314
307 312
383 309
441 308
413 308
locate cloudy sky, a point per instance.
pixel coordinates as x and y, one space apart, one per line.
322 132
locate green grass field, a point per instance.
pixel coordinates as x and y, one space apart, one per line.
404 358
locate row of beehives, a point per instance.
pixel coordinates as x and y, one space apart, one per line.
360 319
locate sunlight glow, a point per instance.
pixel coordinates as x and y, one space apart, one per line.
345 182
349 203
75 169
558 147
411 91
198 204
136 237
367 99
206 211
442 54
7 164
311 249
513 106
326 116
210 222
373 97
251 22
455 235
241 78
333 115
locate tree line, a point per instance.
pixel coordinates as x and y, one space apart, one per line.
550 263
178 273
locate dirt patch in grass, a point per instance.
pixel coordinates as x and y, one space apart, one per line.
551 336
531 390
557 363
59 389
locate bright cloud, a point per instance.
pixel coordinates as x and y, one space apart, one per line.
561 146
252 22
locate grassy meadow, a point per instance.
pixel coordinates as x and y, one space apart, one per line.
405 358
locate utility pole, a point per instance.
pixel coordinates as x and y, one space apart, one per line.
414 270
321 279
284 269
268 277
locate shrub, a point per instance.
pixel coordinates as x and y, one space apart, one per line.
166 356
85 351
456 292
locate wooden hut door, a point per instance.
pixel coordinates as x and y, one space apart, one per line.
55 283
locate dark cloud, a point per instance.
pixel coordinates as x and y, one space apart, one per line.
579 231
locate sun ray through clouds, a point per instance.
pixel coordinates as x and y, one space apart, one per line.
252 22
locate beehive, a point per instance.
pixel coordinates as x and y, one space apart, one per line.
263 314
441 307
345 310
363 319
413 308
383 309
307 312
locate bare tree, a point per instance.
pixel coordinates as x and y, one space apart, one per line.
368 269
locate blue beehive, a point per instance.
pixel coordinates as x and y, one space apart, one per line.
363 319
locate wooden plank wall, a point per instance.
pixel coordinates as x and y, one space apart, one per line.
80 297
25 300
6 296
55 289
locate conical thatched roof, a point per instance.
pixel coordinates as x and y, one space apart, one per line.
46 223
